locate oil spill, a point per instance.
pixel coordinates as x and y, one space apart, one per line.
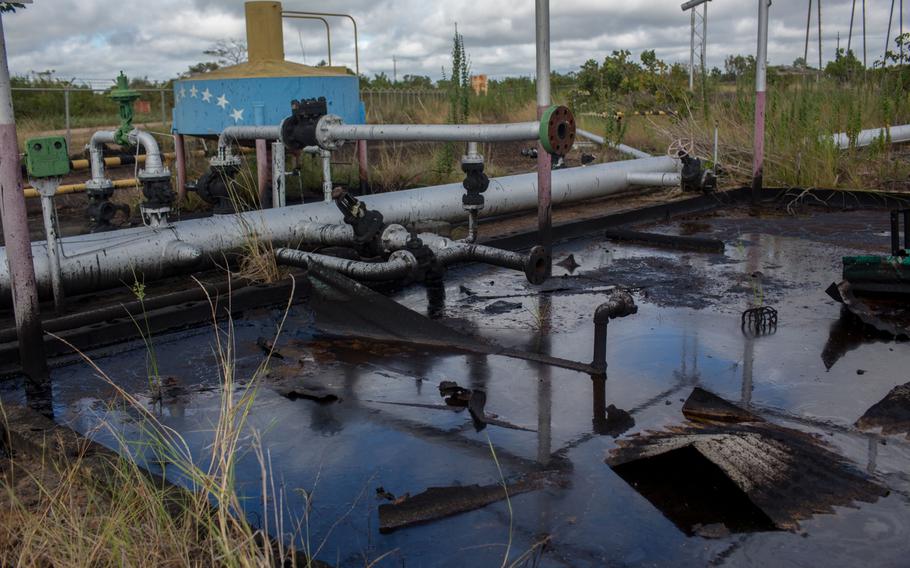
383 432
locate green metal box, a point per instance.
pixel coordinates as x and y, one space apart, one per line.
47 157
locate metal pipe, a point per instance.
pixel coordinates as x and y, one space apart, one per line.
544 159
620 305
328 132
263 174
279 179
628 150
363 166
761 70
401 264
17 265
654 179
326 157
96 153
893 134
104 260
335 15
328 31
49 214
153 163
180 154
234 133
32 193
449 252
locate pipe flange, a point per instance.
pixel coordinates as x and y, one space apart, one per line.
538 265
102 185
161 175
225 160
393 237
323 138
557 130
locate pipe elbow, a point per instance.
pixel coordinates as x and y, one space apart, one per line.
619 305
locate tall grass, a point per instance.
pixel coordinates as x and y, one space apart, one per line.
125 518
800 119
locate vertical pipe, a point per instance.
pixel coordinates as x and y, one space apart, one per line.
363 164
691 49
263 176
704 43
544 166
818 6
180 159
850 33
761 69
806 46
864 35
15 234
326 175
716 146
279 194
66 112
49 213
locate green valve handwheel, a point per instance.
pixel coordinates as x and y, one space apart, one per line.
557 130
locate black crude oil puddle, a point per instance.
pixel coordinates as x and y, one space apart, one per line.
387 430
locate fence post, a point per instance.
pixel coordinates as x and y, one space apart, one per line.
163 113
66 113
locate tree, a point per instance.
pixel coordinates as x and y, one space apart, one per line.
800 63
11 6
199 68
844 66
228 51
736 66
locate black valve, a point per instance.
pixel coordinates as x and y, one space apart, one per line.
695 177
475 183
299 130
366 224
214 187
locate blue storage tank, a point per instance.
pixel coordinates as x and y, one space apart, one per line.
259 92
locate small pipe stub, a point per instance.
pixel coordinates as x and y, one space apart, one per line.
557 130
619 305
537 265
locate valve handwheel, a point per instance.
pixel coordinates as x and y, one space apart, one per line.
681 147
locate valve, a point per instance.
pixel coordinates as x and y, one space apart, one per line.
124 96
367 224
299 130
216 186
694 176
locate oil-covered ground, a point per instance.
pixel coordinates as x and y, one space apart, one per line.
389 433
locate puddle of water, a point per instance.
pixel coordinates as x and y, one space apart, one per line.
684 335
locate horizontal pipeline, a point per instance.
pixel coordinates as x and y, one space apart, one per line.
654 179
31 192
894 134
104 260
627 150
512 132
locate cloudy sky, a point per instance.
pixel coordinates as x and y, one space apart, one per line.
94 39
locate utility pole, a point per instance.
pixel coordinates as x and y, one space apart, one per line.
888 35
394 69
698 32
818 5
15 234
850 34
761 72
806 46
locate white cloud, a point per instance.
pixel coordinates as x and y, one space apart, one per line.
98 38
